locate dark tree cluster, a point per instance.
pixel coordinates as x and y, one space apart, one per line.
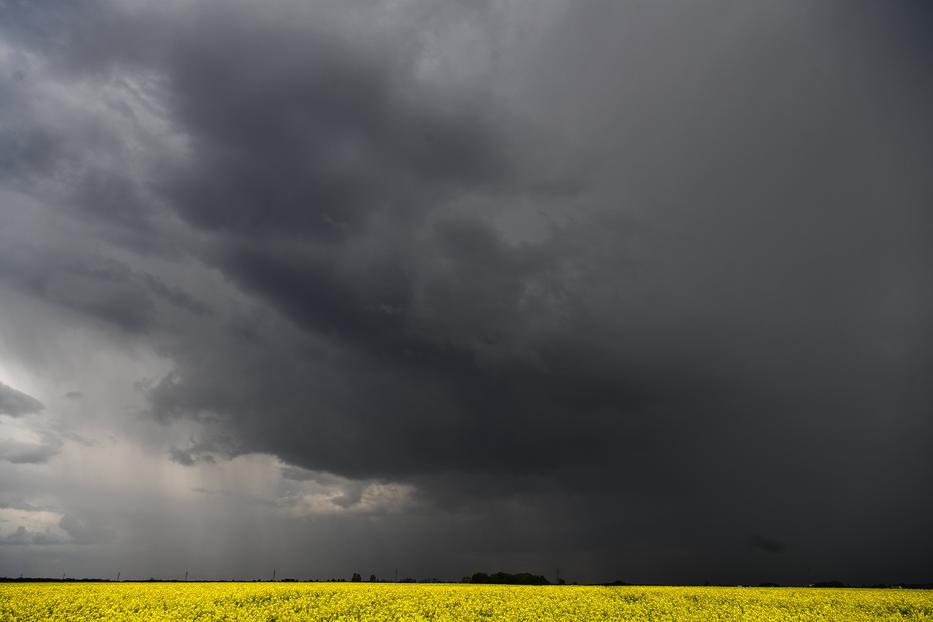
521 578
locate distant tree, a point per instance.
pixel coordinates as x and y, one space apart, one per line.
521 578
356 577
372 578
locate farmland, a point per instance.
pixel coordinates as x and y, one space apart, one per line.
449 602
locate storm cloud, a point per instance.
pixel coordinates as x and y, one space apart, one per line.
16 403
611 287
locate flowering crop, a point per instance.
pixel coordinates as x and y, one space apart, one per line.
337 602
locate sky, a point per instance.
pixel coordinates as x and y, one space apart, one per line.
634 290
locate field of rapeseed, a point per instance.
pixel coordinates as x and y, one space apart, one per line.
451 602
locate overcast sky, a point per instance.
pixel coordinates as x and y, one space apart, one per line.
637 290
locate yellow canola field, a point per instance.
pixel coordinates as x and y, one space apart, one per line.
335 602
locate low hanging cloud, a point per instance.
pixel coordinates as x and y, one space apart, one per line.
31 451
35 527
16 403
21 441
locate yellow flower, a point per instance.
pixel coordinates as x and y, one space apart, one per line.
29 602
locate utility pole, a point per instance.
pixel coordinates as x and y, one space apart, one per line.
186 574
118 575
273 574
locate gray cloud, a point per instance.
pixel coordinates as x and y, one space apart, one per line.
190 456
69 530
18 452
16 403
767 544
621 288
23 536
83 532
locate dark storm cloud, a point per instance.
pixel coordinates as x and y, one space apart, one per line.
83 532
313 136
97 287
91 285
721 327
23 536
766 544
175 295
16 403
